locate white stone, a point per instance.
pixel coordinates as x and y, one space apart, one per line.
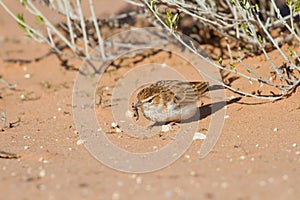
166 128
118 130
80 142
114 124
199 136
42 173
27 76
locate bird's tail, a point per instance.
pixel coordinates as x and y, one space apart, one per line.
200 87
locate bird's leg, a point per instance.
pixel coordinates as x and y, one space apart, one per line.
135 109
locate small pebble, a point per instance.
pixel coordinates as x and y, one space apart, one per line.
226 116
42 173
275 129
224 185
114 124
80 142
199 136
115 196
164 65
120 183
285 177
26 147
242 157
133 176
27 76
294 145
138 180
166 128
271 180
45 161
169 194
118 130
261 84
192 173
41 186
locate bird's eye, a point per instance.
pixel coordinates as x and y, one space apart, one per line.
150 100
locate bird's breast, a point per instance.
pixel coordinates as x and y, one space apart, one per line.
169 112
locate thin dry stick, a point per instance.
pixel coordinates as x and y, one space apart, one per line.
70 28
98 32
83 25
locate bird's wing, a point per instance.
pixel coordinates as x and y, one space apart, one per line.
180 91
184 93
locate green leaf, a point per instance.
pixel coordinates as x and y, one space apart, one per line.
233 2
259 38
291 52
170 20
232 66
153 6
175 18
220 60
21 18
152 3
40 19
24 2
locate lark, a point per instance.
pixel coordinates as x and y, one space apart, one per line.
169 100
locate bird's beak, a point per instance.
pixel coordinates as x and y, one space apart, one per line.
138 103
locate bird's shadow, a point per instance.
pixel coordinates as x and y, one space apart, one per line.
209 109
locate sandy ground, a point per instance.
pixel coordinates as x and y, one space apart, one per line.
256 157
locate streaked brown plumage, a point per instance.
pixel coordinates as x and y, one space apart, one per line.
169 100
